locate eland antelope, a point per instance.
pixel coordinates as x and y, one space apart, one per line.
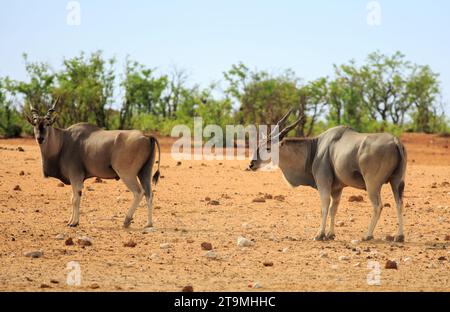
83 151
338 158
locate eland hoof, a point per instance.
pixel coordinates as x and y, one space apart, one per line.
367 238
330 236
127 222
320 237
399 239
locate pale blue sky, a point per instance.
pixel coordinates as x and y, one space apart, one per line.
206 37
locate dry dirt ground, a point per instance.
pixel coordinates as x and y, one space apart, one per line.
282 230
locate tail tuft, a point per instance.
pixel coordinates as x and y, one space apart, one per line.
156 177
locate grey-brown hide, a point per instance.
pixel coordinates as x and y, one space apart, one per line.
342 157
83 151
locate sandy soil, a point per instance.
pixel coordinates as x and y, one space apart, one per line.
31 217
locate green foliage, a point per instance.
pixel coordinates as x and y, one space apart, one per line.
385 93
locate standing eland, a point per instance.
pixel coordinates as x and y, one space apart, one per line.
83 151
338 158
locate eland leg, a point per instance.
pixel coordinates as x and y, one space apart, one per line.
325 194
397 189
336 198
145 182
375 198
77 189
138 193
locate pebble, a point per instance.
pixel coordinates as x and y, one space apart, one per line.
268 263
21 173
17 188
211 255
34 254
60 184
69 241
94 286
391 265
214 203
130 244
84 241
244 242
187 288
60 236
355 242
259 200
340 223
149 230
357 265
344 258
255 285
206 246
285 250
323 254
280 198
246 226
164 246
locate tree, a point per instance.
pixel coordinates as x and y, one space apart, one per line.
422 92
143 93
85 88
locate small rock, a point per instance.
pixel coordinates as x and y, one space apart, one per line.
447 238
149 230
357 265
60 184
154 257
268 263
355 242
84 241
178 163
356 199
69 241
60 236
407 260
244 242
98 180
344 258
20 149
34 254
387 205
246 226
442 258
340 223
21 173
259 200
187 288
280 198
164 246
211 255
268 196
89 189
256 285
323 254
53 281
391 265
94 286
390 238
206 246
45 286
214 203
130 244
352 219
17 188
207 198
285 250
